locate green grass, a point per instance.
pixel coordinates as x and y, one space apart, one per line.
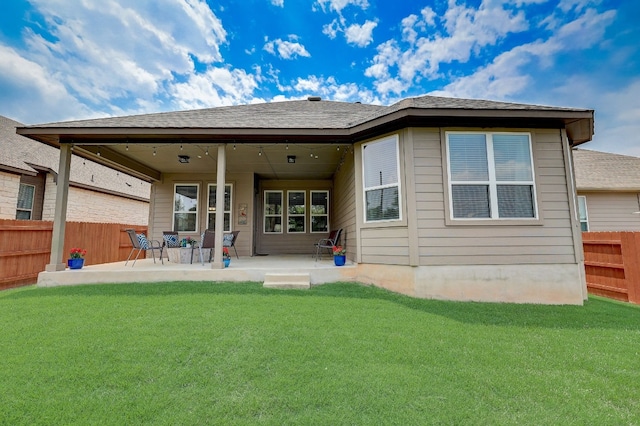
194 353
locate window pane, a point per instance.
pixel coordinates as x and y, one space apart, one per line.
185 222
25 197
296 202
23 215
273 224
582 207
273 203
380 163
470 201
515 201
512 157
186 198
382 204
584 226
319 224
296 224
468 157
319 203
212 197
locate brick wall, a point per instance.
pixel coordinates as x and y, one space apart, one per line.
9 185
89 206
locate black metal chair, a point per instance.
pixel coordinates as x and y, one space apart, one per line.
140 243
328 243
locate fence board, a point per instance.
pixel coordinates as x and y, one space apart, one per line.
25 246
612 264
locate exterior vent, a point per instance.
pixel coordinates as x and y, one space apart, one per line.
314 98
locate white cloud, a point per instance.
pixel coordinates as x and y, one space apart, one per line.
467 31
331 30
115 53
215 87
286 49
279 3
339 5
360 35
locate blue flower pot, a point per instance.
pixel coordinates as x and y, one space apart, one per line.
339 260
226 261
75 263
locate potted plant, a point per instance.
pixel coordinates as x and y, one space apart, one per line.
339 255
76 258
226 258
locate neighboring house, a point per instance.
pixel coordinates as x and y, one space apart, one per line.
608 188
28 174
438 197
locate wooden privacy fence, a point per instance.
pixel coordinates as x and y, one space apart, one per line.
612 264
25 246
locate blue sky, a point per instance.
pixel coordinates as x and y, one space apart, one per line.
73 59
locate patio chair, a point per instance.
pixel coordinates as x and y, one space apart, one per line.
207 241
328 243
140 243
170 239
229 240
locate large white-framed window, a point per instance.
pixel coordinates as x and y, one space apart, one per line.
185 207
296 211
582 212
491 176
319 211
381 179
273 212
211 206
26 195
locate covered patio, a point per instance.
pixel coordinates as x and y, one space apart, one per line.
278 271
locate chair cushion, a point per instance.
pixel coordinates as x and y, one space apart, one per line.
227 239
144 243
171 240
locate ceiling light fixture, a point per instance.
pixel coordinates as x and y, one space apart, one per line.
183 158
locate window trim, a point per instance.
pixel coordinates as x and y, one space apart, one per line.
398 184
312 215
230 211
303 215
33 201
493 183
586 213
264 211
173 205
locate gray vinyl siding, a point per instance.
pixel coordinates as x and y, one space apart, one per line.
161 209
286 243
612 211
344 204
441 244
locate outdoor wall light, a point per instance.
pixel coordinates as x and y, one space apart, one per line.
183 158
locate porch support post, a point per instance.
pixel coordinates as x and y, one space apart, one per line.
60 217
221 172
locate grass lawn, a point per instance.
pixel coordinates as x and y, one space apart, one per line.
195 353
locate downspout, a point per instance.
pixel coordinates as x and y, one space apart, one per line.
576 230
60 217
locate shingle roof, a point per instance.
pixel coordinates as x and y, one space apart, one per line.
596 170
293 114
18 152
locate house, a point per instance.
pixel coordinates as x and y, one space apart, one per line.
438 197
28 176
608 188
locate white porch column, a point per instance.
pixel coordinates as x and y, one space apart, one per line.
221 172
56 262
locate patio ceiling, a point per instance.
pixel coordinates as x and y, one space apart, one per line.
268 160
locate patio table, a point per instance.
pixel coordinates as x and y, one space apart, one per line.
185 254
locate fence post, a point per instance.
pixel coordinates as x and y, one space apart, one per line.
630 246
